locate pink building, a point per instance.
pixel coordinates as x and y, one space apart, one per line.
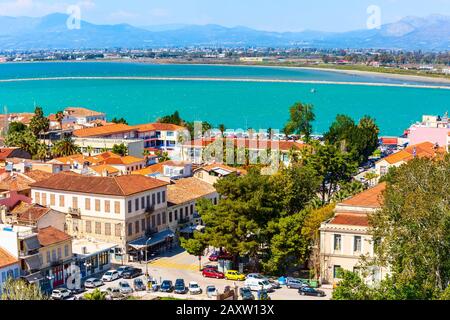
419 134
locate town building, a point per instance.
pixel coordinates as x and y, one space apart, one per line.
167 170
82 115
9 267
213 172
6 153
36 216
421 150
111 209
345 237
92 256
20 182
434 129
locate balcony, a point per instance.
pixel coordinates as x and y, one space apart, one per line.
27 253
150 209
75 211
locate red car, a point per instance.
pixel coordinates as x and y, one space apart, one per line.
212 273
214 256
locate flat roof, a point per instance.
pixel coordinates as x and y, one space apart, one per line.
92 246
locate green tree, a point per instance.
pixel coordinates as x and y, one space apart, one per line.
120 149
119 120
42 152
163 156
300 121
39 123
173 119
95 295
18 289
16 127
65 147
351 287
195 246
25 140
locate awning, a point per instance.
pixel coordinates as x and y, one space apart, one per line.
32 243
191 229
152 240
33 262
33 278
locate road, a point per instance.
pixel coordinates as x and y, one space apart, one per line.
178 264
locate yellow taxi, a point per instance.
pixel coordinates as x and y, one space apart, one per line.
234 275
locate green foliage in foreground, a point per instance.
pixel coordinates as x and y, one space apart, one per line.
18 289
95 295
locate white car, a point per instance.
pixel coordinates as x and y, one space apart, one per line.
256 284
211 291
194 288
110 275
61 294
93 283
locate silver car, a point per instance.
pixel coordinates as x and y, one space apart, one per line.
93 283
125 287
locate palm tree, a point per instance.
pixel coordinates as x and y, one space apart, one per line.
42 152
65 147
95 295
60 117
89 150
146 153
222 128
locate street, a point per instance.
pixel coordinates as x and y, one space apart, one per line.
178 264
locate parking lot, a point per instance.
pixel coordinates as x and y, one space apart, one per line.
178 264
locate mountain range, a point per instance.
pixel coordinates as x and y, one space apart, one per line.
431 33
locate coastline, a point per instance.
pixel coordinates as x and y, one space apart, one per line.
144 78
394 76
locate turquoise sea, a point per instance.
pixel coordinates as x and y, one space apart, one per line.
259 105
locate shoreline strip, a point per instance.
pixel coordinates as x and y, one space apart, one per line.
318 82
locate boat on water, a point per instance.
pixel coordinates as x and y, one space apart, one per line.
313 90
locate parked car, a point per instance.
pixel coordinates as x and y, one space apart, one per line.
122 269
246 293
166 286
139 285
212 273
211 291
125 287
293 283
213 256
78 290
61 294
110 275
255 276
210 266
194 288
114 294
256 284
180 286
308 291
282 281
275 284
152 285
234 275
131 273
93 283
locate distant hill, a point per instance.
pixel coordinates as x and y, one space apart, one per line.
50 32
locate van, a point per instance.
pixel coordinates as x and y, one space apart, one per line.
257 284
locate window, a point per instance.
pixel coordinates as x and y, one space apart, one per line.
107 206
163 218
136 226
97 205
176 215
87 204
107 228
143 202
129 206
88 227
66 250
61 201
75 202
98 228
159 219
117 207
136 204
158 197
357 244
153 222
192 209
52 199
143 224
181 213
48 257
148 201
130 229
147 221
118 230
337 271
170 216
153 199
59 253
215 201
163 196
383 170
337 242
37 197
53 255
44 199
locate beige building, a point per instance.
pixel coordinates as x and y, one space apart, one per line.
213 172
116 210
344 238
36 216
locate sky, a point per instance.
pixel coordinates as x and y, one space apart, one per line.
270 15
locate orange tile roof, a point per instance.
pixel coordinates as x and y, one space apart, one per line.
49 235
82 112
422 150
158 127
79 158
38 175
117 186
188 189
123 160
102 157
6 259
102 167
5 152
350 219
370 198
158 167
26 212
103 130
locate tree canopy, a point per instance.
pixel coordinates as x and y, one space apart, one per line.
300 120
120 149
39 123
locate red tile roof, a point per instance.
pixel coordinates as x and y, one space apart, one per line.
5 152
117 186
29 212
103 130
6 259
421 150
350 219
49 235
158 127
371 198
